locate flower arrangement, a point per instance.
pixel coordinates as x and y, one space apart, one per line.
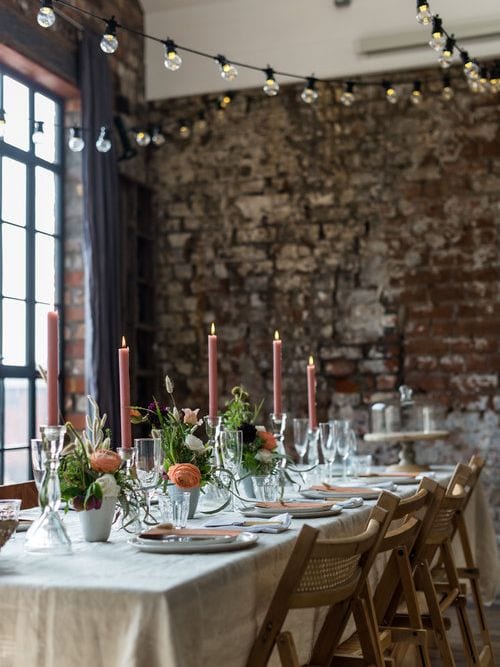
186 460
90 471
260 449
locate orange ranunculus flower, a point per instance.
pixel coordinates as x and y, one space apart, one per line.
105 460
268 439
184 475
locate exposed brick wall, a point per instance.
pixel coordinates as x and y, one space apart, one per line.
368 236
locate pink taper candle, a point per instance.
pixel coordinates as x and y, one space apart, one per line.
311 393
52 368
278 408
212 373
123 365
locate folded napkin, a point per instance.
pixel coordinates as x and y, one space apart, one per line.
355 490
292 505
276 524
166 529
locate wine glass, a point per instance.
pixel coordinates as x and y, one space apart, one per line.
147 465
328 446
37 461
342 437
231 447
301 436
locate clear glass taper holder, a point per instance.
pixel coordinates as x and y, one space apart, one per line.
127 454
278 424
213 427
47 535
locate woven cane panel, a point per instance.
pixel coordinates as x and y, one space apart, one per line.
324 574
442 522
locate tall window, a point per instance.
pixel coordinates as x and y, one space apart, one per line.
30 251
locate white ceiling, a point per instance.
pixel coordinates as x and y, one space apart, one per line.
303 38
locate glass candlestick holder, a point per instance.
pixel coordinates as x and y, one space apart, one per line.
48 534
213 427
278 424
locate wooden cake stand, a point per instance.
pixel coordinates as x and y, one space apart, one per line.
407 441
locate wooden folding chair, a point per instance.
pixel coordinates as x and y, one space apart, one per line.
434 541
407 520
470 572
329 573
25 491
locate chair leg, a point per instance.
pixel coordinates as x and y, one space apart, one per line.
438 625
368 632
286 647
469 644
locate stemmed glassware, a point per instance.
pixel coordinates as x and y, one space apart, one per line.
37 461
278 422
48 534
343 437
213 427
328 446
147 465
301 436
231 448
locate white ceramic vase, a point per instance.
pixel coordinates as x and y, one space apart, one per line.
96 524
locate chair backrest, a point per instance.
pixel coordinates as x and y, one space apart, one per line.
322 573
25 491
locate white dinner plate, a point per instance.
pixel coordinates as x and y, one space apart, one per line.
312 513
207 539
383 479
194 545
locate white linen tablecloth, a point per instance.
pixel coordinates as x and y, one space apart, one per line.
108 605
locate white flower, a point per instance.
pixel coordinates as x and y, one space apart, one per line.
264 455
260 428
193 443
109 486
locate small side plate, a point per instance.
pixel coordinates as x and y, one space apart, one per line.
242 541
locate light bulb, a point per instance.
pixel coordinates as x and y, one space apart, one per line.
447 93
172 60
200 124
184 130
391 94
347 98
484 80
227 70
109 42
75 142
495 83
103 143
438 38
474 85
424 14
157 137
46 16
471 68
271 87
416 96
142 138
2 123
225 100
309 95
37 137
446 55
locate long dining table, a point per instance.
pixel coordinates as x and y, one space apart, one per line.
109 605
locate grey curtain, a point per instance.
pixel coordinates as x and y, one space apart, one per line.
101 236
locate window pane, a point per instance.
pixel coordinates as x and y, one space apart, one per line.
41 311
41 401
16 412
13 261
14 333
13 191
16 105
45 268
16 466
45 110
45 200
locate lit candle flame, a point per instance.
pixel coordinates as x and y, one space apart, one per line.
212 329
124 342
276 335
311 360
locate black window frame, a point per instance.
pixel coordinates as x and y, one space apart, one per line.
30 370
